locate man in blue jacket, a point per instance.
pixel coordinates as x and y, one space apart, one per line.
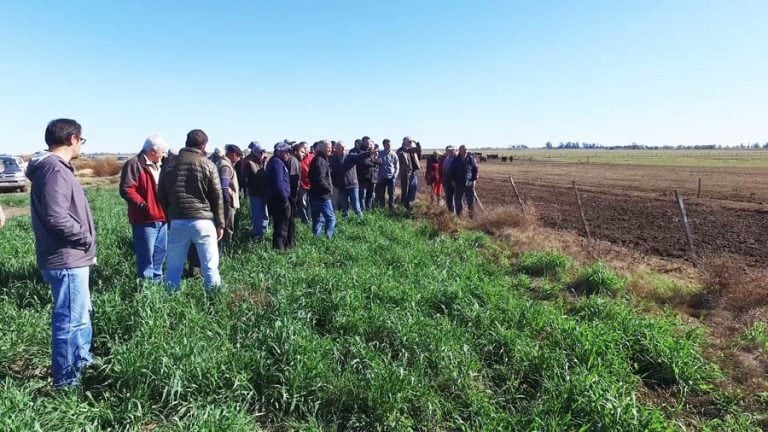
65 245
278 194
464 177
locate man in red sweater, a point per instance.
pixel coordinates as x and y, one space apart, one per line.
138 187
305 159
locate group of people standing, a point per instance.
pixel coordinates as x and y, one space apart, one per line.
182 208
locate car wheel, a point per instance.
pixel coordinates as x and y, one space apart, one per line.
23 189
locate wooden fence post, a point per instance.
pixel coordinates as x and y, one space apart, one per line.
686 228
581 210
517 194
698 193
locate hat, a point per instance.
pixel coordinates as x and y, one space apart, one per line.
449 148
282 146
231 148
255 147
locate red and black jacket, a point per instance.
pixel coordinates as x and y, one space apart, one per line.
138 188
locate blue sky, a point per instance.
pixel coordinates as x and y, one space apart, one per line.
480 73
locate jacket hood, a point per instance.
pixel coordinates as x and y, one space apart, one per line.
36 162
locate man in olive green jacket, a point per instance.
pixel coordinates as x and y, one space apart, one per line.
190 191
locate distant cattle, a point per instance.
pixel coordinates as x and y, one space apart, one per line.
493 156
503 158
483 159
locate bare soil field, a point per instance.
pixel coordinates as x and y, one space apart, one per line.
633 205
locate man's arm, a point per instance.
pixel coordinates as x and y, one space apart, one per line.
396 164
226 173
54 210
162 195
129 180
215 198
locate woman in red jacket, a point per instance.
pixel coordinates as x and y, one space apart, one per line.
433 177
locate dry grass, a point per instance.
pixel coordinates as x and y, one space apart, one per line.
443 221
103 167
729 285
106 167
497 220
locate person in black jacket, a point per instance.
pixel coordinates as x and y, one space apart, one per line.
464 177
321 190
278 196
367 163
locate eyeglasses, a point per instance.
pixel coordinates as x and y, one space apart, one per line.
82 140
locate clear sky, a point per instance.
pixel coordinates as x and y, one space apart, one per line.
481 73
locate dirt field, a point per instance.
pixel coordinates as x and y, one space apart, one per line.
632 205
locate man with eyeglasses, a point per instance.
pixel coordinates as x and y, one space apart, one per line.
65 245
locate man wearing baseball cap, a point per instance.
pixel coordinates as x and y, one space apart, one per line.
278 196
230 188
252 173
408 155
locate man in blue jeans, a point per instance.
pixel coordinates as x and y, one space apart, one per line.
252 171
344 180
65 246
389 170
138 187
321 190
190 192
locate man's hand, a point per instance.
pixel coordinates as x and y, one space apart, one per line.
219 233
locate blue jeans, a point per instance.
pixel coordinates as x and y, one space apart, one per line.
322 213
350 195
150 241
201 233
71 330
366 194
259 216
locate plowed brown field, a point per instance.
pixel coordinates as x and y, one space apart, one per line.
634 205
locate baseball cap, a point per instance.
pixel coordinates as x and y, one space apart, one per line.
282 146
255 147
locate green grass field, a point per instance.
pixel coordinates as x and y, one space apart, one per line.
389 326
687 158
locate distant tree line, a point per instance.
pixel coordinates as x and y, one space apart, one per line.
636 146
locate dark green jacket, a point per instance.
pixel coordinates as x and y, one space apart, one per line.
189 188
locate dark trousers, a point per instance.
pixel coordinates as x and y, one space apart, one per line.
388 186
229 223
462 192
449 192
366 189
302 205
283 230
404 185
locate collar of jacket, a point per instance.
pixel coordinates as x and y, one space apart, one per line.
192 150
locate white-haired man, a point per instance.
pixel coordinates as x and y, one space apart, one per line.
138 187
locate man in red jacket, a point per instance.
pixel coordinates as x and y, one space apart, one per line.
138 187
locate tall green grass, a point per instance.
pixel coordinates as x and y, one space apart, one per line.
385 327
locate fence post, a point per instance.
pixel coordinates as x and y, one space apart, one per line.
581 210
517 194
698 193
686 228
